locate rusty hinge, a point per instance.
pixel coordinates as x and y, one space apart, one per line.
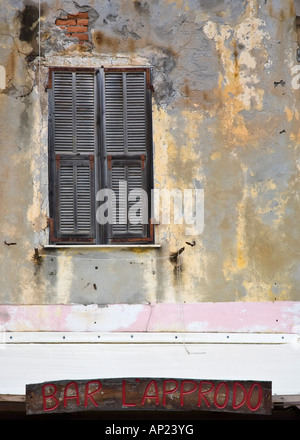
143 159
54 239
92 162
150 237
148 80
57 160
50 224
109 158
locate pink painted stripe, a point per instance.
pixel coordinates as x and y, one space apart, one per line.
246 317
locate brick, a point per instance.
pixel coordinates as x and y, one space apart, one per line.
79 15
77 29
82 37
65 22
82 22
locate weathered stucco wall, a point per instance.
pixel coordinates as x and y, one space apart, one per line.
225 120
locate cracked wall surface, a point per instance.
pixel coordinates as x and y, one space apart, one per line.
225 120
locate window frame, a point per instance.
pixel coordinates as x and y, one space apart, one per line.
100 160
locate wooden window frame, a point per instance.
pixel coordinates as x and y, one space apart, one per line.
101 161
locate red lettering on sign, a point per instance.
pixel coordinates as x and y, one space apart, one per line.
124 395
255 408
147 393
151 396
89 395
170 391
49 397
76 396
201 393
226 395
234 394
183 392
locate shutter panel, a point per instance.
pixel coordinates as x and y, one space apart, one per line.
75 214
118 178
136 112
63 112
135 203
72 149
114 111
130 212
125 112
127 143
74 112
66 199
85 122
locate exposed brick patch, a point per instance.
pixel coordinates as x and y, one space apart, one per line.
76 29
75 25
81 37
79 15
65 22
82 22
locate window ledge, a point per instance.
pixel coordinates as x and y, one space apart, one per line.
100 246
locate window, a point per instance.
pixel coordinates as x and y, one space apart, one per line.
100 155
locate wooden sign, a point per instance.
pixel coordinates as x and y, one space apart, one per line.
149 394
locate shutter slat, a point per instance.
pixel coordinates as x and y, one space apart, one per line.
66 199
84 199
126 128
63 112
118 175
133 177
114 108
135 182
85 112
136 112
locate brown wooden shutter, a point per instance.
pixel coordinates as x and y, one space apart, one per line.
128 152
72 150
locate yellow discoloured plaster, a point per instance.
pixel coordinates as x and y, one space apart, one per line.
238 86
216 156
185 160
258 291
291 114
